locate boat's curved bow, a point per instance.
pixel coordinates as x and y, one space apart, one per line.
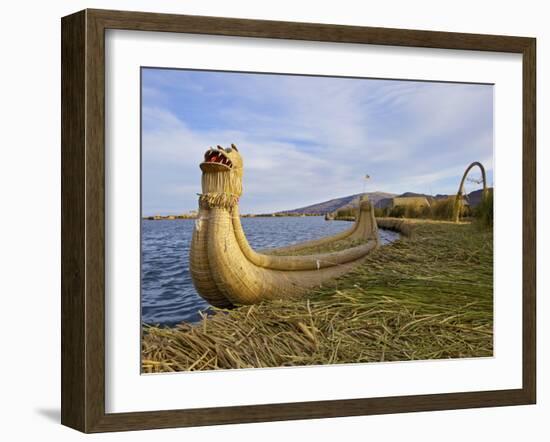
226 271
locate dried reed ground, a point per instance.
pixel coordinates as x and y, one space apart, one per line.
427 297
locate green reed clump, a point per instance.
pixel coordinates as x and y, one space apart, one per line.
427 297
439 209
443 208
380 212
346 212
484 212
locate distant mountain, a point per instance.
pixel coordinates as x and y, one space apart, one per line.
337 203
413 194
378 199
474 198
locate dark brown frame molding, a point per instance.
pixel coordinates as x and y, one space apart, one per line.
83 217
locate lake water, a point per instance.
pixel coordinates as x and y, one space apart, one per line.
168 296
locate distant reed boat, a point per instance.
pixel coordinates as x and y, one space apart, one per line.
226 271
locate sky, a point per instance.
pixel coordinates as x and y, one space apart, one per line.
308 139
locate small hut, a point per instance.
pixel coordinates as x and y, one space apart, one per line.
410 201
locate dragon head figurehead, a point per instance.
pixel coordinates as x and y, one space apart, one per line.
222 174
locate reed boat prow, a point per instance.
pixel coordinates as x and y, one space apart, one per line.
226 271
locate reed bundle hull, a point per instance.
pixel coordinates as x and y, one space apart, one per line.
226 271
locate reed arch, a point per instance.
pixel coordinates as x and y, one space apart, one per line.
460 193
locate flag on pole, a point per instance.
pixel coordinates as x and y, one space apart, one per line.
367 177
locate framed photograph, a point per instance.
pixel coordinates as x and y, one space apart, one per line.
268 220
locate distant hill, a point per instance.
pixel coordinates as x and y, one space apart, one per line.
474 198
378 199
337 203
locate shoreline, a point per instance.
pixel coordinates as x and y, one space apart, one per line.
246 215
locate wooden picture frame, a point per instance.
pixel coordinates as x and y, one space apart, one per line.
83 220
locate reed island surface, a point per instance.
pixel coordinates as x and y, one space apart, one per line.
427 296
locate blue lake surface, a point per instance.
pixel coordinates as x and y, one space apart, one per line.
168 296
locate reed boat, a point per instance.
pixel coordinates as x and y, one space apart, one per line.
226 271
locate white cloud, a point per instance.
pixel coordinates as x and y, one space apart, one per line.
306 140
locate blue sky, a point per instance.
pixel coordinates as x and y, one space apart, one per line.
308 139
